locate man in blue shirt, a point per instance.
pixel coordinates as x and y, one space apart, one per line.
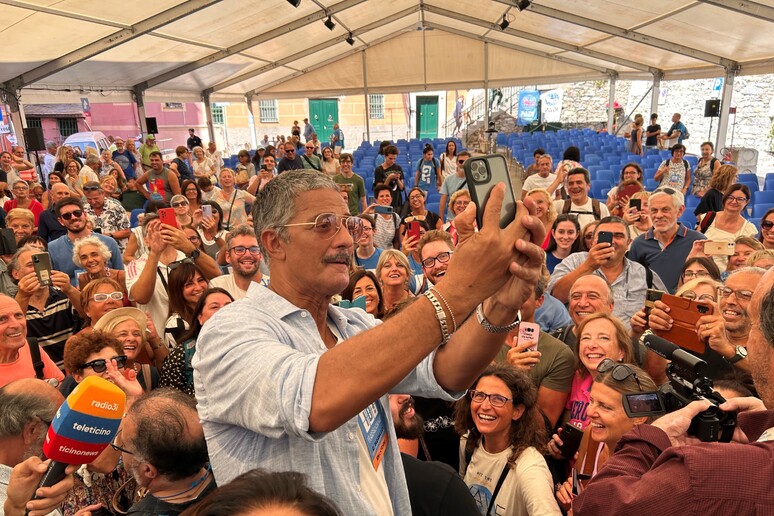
71 215
286 381
677 130
125 159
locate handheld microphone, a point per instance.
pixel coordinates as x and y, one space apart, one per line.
83 427
689 365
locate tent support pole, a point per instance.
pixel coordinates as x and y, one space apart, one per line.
655 92
367 109
486 85
139 99
611 104
725 105
254 133
208 112
18 120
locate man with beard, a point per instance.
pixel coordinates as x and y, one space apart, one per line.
434 487
162 446
244 256
26 408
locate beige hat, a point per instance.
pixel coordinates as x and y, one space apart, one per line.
113 318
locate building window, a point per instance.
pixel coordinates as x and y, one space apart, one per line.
217 114
67 126
34 123
376 106
268 111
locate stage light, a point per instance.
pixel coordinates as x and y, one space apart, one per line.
350 39
523 4
504 24
294 3
329 23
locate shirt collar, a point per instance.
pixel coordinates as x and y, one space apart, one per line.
681 232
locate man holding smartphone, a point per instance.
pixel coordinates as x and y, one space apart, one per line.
607 258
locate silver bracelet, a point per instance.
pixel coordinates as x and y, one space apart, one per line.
491 328
451 314
445 335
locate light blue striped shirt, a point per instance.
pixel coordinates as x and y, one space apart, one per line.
254 372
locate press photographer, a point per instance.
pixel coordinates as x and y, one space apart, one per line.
661 469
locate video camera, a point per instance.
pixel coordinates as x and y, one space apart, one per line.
687 383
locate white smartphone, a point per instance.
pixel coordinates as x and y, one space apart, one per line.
206 210
529 333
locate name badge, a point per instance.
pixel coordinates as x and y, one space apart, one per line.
373 425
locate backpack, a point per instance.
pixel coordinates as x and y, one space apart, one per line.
706 221
595 209
686 134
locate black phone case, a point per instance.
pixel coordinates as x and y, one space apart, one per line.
571 438
496 171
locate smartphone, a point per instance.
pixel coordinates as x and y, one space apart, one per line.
643 404
383 210
685 313
167 216
412 229
635 203
41 262
719 248
605 236
571 438
206 210
482 174
528 333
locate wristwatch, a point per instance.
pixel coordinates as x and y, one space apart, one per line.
741 353
195 254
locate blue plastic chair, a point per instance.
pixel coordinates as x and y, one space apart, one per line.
763 197
759 210
134 217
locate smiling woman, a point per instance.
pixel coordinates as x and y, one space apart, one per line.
91 255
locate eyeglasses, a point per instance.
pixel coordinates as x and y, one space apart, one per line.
744 295
619 372
239 250
100 365
695 274
690 294
309 148
101 298
441 258
119 449
179 204
737 200
327 225
21 188
174 265
75 213
194 239
367 229
494 399
767 224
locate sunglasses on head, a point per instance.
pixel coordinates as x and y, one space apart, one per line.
100 365
75 213
619 372
90 188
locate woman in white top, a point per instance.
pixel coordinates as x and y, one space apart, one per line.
202 165
729 224
386 234
449 159
233 202
501 452
330 165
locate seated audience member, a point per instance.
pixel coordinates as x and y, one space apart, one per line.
393 271
364 283
550 366
544 209
147 277
92 256
98 297
667 245
435 249
136 247
763 258
698 267
15 358
532 169
458 201
181 206
244 256
629 280
588 295
366 254
211 231
26 408
33 241
587 234
631 177
564 240
609 421
638 219
744 247
712 200
729 224
263 492
131 198
72 216
21 221
177 371
185 286
543 179
208 188
434 487
766 236
106 215
672 474
579 203
386 234
52 312
507 454
49 227
22 199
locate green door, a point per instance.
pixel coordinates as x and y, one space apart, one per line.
323 113
427 117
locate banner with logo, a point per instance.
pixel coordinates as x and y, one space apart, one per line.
528 104
551 102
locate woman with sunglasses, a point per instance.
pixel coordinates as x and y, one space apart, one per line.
563 240
729 224
182 214
177 371
588 235
364 283
766 236
186 285
502 444
608 420
92 255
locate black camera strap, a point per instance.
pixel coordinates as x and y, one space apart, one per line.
37 361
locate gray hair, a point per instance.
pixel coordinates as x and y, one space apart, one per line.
92 240
13 265
92 159
241 230
275 205
16 410
678 201
760 271
20 182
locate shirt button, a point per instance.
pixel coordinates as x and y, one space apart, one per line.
350 436
303 314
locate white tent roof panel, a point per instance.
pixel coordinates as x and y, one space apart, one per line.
108 11
646 54
202 78
506 65
553 28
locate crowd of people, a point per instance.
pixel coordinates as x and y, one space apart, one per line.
286 338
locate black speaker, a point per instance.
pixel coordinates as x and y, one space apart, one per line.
711 108
152 126
33 137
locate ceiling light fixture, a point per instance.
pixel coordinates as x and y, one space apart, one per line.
329 23
294 3
523 4
350 39
504 24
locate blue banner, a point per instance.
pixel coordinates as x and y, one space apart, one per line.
528 104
